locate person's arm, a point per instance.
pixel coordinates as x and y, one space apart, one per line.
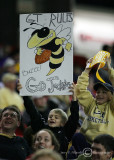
112 80
37 122
111 77
110 70
71 125
84 96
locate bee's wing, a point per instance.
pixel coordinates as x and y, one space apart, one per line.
64 33
58 29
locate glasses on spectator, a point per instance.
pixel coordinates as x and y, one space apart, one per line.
12 115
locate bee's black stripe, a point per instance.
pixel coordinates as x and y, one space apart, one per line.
59 55
54 66
51 45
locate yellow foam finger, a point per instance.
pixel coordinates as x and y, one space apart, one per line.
100 58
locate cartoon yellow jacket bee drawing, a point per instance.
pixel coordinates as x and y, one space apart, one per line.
49 46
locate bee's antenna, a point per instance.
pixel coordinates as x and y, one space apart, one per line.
36 24
28 28
31 27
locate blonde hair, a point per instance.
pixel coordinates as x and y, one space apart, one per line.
46 153
9 77
63 115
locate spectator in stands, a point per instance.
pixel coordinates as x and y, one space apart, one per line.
78 145
12 147
8 95
99 110
9 66
59 101
58 122
41 105
46 154
44 139
46 103
102 149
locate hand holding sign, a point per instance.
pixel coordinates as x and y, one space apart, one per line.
101 57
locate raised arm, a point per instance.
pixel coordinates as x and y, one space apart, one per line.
37 122
111 77
110 70
72 123
84 96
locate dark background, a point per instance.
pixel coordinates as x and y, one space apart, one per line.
98 3
9 16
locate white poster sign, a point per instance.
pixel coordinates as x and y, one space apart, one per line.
46 53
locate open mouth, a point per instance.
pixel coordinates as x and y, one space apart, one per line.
44 57
8 122
41 147
52 122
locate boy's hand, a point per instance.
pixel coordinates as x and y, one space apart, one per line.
108 64
87 70
73 90
19 86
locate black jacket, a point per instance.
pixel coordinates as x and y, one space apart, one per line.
14 148
63 134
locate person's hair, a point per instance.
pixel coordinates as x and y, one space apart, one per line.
62 114
7 77
54 139
12 108
106 140
46 153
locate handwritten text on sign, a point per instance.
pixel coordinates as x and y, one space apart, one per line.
46 53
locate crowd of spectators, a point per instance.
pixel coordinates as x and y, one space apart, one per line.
56 127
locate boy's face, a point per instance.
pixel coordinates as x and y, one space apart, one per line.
103 95
54 119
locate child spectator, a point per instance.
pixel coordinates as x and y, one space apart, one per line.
99 110
58 122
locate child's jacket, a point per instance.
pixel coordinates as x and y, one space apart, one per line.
63 134
100 118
